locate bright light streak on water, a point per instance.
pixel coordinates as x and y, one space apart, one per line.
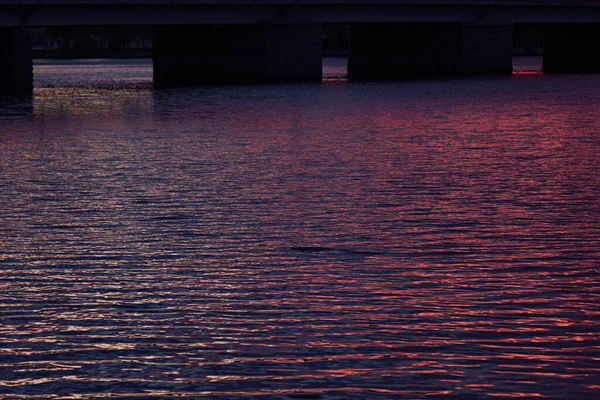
427 239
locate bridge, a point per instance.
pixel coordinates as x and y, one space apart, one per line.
228 41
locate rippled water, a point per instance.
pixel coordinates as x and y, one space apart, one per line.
410 240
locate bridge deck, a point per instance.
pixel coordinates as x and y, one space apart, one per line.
40 13
534 3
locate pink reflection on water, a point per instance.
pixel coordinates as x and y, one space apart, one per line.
414 239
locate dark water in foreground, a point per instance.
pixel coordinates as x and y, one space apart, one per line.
411 240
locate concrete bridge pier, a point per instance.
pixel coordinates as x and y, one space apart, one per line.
293 52
16 61
397 51
206 54
224 54
384 51
571 48
486 49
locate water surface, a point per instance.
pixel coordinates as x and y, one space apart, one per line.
403 240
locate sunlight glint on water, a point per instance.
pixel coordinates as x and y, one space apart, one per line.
425 239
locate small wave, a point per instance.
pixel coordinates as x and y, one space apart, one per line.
324 249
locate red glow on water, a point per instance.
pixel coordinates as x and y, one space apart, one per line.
406 239
527 73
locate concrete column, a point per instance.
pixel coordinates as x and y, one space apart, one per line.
381 51
293 52
16 61
572 48
198 55
486 49
397 51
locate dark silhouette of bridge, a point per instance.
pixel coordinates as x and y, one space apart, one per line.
229 41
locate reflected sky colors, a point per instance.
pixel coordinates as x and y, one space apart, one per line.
410 240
